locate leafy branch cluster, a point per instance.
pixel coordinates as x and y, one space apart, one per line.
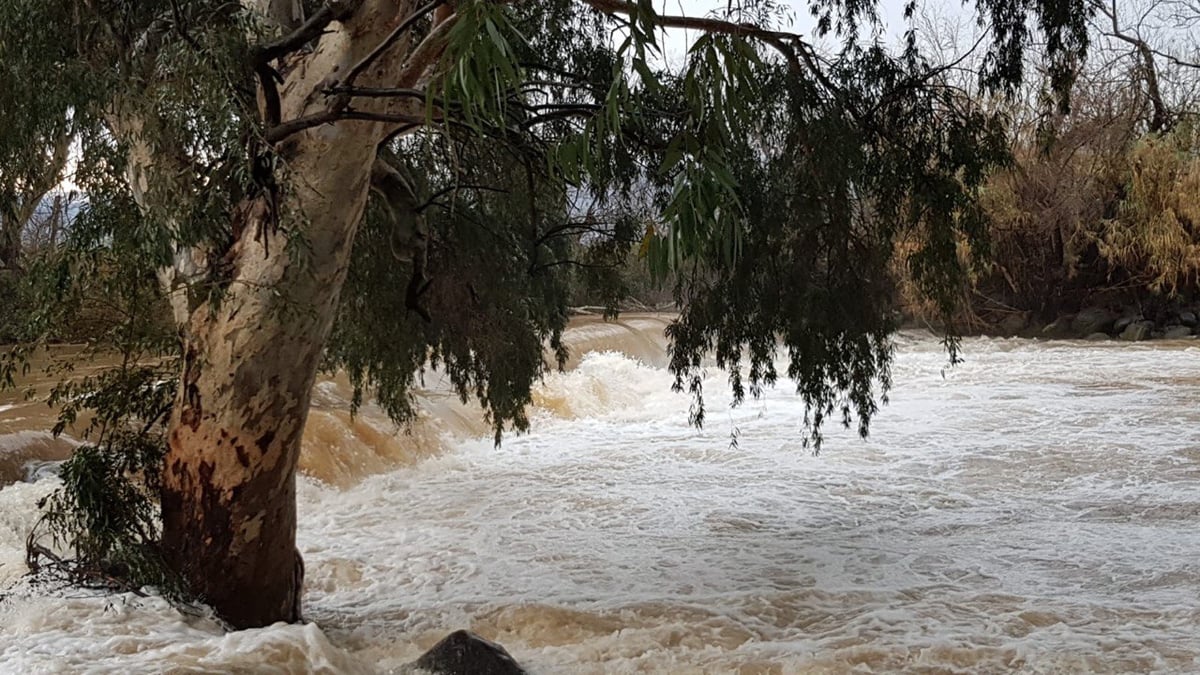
516 150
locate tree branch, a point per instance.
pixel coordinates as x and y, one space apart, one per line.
314 27
376 92
455 188
1161 119
778 40
390 40
283 130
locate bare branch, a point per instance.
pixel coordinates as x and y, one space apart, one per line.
433 199
283 130
1161 118
703 24
784 43
376 92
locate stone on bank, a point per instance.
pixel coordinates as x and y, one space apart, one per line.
1093 320
1176 332
1138 331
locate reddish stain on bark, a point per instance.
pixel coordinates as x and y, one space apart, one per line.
190 417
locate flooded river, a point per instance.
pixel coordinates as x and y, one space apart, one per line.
1036 509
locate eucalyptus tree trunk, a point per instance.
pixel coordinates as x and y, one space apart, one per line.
229 493
252 353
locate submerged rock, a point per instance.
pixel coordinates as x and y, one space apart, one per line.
1097 337
465 653
1137 331
1176 332
1093 320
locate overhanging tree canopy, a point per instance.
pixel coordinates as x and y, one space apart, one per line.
378 186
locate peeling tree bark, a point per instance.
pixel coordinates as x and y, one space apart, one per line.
228 503
250 358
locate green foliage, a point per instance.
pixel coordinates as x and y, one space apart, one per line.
774 216
498 288
831 182
105 513
101 524
768 184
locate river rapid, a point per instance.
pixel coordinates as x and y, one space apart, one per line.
1035 509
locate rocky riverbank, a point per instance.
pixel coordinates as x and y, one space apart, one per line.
1102 323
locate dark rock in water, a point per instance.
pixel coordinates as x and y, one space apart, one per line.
1097 337
1093 320
465 653
1188 319
1176 332
1122 323
1060 328
1137 331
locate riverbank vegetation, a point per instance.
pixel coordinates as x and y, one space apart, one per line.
1093 224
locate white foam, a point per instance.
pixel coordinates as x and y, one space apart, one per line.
1031 510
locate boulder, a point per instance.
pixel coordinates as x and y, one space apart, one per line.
1176 332
1097 337
1138 330
1093 320
1013 324
465 653
1059 328
1188 319
1122 323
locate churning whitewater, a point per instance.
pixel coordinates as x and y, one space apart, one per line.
1035 509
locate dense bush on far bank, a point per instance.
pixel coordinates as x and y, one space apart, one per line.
1090 233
